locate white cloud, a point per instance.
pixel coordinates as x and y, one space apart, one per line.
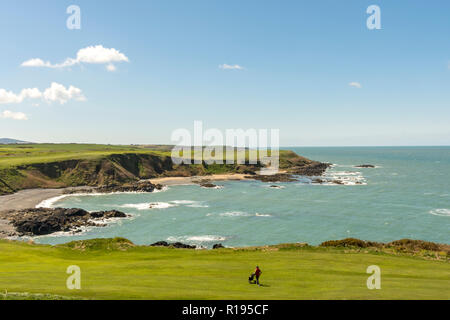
31 93
13 115
11 97
36 63
231 67
55 93
93 55
355 85
99 54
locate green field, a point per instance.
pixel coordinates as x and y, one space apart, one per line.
24 154
115 270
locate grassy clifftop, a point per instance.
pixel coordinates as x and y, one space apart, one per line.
118 269
64 165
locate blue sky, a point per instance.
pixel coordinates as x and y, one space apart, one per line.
298 59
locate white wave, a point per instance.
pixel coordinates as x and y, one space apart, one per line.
149 206
201 238
161 205
345 173
262 215
234 214
207 238
190 203
242 214
215 187
50 202
164 188
348 178
165 205
183 201
138 206
335 165
197 205
440 212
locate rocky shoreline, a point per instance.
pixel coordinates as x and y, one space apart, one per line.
143 186
45 221
16 219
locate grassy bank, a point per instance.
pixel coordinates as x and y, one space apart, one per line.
116 269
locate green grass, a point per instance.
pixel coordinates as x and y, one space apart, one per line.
25 154
17 155
113 270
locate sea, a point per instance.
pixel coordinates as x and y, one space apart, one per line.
406 195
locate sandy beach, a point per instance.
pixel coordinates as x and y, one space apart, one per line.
30 198
170 181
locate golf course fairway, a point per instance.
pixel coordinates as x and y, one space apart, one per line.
116 269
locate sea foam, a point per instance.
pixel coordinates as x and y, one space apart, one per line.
440 212
242 214
48 203
201 238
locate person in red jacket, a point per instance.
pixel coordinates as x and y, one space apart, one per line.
257 274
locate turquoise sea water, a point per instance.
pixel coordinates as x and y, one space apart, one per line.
406 196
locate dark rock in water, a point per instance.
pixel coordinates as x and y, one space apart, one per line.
160 244
306 169
177 245
43 221
180 245
145 186
108 214
279 177
218 246
208 185
318 180
311 169
337 182
74 212
365 166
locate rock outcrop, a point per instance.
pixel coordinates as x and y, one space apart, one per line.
145 186
279 177
177 245
44 221
312 169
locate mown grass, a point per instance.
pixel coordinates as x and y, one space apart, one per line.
17 155
115 269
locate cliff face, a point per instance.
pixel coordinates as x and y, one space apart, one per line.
113 169
130 167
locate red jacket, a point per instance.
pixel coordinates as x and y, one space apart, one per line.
258 272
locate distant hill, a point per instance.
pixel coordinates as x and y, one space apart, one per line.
11 141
